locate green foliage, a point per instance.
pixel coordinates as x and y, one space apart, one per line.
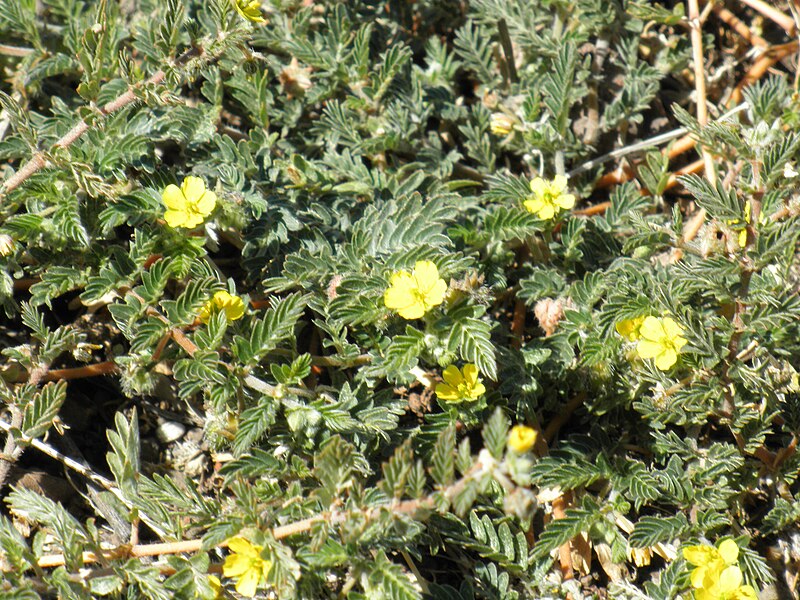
345 143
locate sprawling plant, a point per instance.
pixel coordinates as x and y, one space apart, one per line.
367 250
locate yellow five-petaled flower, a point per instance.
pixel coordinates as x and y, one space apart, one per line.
460 385
223 301
549 197
250 10
660 338
522 438
247 565
413 294
717 576
188 205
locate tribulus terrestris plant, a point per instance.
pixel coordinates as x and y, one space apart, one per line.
397 300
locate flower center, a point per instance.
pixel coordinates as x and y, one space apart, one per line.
192 205
419 296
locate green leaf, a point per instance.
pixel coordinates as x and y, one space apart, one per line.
560 531
473 337
386 580
39 416
123 460
443 459
495 433
720 203
649 531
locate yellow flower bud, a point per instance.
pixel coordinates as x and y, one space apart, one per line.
522 438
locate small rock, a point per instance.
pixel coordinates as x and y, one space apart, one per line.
169 431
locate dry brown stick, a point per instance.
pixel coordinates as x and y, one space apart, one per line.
595 209
773 14
7 50
732 21
409 507
518 324
760 67
39 160
561 418
94 370
160 549
700 83
23 285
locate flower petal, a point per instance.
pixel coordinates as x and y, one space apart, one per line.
671 328
175 218
648 349
729 551
235 309
426 275
699 555
235 565
539 187
193 188
666 359
242 545
248 583
192 220
401 294
742 238
446 392
730 579
698 577
566 201
547 212
533 205
651 329
415 311
477 391
470 374
398 298
629 328
207 203
435 295
452 376
173 197
746 592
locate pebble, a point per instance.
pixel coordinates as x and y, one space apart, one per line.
169 431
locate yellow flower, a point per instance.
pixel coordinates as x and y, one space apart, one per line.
629 328
549 198
232 305
188 205
250 10
660 338
247 565
728 586
710 562
522 438
501 124
413 294
460 385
